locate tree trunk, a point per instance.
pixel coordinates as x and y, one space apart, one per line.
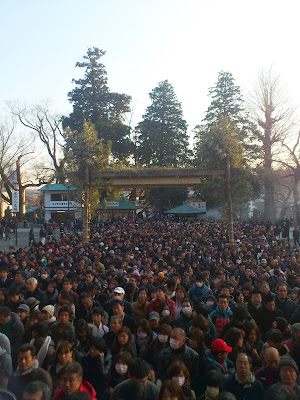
86 210
21 190
296 197
229 202
269 203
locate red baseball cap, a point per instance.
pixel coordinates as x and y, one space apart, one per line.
219 345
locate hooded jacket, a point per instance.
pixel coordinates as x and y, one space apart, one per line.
198 294
220 319
84 387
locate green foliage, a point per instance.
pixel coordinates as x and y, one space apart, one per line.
217 141
245 186
163 138
84 148
226 132
168 197
94 102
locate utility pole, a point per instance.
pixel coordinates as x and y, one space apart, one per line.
86 209
229 202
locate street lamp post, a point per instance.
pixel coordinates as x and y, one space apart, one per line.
69 222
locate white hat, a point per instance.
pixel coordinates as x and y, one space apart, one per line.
49 309
119 290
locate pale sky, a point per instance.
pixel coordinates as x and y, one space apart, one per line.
185 41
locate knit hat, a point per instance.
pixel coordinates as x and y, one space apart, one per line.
49 309
288 361
24 307
296 327
32 302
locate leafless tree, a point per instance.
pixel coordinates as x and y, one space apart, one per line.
48 127
13 148
273 114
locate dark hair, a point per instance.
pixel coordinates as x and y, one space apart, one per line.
232 336
201 322
268 298
173 387
198 335
275 335
239 313
175 368
85 295
138 368
145 325
82 326
162 288
124 357
40 328
131 390
5 311
248 327
201 309
281 392
222 296
52 283
27 347
79 396
116 302
214 378
98 310
39 386
165 329
99 345
68 335
200 276
13 291
73 368
65 309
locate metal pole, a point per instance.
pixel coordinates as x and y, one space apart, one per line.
69 222
229 202
86 211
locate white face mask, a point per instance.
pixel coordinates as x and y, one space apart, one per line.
209 303
199 284
165 313
117 297
187 310
179 379
162 338
121 369
141 335
212 391
44 276
174 344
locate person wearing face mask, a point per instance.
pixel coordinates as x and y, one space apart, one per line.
161 298
186 315
160 343
214 384
143 338
178 350
199 291
119 369
178 372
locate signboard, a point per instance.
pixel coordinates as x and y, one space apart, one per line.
198 204
62 204
112 203
15 201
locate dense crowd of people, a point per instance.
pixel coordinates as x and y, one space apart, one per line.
157 310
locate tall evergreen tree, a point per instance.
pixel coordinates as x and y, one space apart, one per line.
223 140
163 135
94 102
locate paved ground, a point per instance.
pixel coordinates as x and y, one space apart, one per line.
23 238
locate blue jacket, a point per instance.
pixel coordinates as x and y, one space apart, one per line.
197 294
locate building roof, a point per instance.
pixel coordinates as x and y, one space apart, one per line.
56 187
113 204
185 209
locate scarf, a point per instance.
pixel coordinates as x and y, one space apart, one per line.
251 378
42 354
29 370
